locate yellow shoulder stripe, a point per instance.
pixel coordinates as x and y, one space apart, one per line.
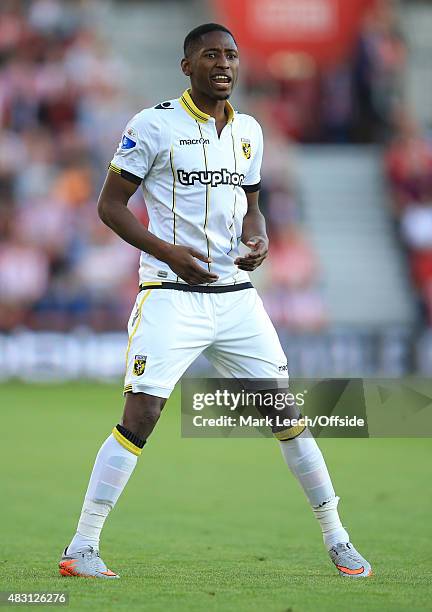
115 168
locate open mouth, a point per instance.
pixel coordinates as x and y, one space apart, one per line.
221 79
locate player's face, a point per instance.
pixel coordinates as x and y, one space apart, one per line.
213 66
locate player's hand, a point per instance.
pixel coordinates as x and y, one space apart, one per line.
182 261
258 252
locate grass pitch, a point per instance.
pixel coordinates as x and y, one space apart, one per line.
214 525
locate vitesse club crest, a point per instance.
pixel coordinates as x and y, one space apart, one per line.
139 364
246 147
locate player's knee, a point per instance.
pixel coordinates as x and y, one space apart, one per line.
141 413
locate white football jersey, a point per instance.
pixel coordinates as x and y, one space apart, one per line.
194 181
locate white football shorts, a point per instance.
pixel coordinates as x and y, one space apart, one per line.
168 329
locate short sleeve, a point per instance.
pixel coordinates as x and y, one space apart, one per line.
138 148
252 180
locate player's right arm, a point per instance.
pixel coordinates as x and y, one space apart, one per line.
113 211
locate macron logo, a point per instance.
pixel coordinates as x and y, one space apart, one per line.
192 141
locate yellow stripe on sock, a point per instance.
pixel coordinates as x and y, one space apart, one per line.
290 433
127 444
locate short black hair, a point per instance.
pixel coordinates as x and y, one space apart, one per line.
191 40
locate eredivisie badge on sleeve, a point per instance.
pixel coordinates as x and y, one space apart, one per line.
139 364
246 147
129 139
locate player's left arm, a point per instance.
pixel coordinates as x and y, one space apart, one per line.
254 235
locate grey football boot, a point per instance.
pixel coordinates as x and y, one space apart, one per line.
85 563
349 562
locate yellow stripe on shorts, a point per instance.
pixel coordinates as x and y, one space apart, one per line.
143 299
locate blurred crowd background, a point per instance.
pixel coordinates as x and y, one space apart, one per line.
69 81
62 108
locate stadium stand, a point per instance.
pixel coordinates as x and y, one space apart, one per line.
71 74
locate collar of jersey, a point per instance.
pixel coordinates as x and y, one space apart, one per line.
193 110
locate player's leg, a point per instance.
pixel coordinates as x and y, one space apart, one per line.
247 346
155 361
114 464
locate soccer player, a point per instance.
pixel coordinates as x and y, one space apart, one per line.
198 162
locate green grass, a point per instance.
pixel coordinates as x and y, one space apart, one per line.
214 525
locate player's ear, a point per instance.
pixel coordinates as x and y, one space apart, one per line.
185 66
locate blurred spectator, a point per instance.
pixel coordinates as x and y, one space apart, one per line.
416 226
281 207
292 296
23 278
378 70
409 169
337 104
290 97
409 162
293 262
416 230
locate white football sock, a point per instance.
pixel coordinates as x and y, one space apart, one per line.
112 469
306 462
332 529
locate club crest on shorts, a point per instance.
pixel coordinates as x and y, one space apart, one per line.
246 147
139 364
